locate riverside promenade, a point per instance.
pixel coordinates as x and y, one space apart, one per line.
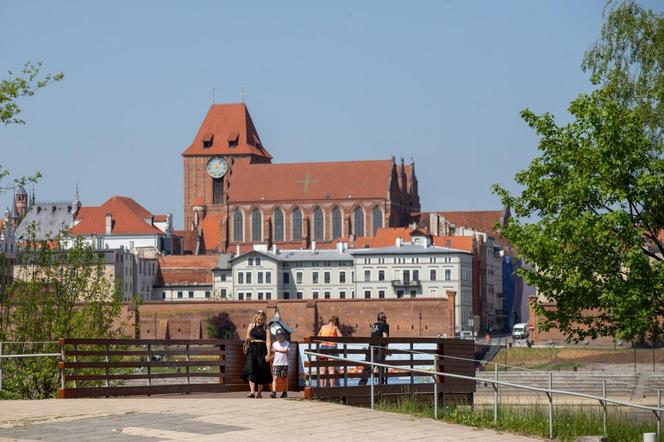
214 417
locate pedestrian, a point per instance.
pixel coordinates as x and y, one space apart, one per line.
379 329
280 363
331 329
257 368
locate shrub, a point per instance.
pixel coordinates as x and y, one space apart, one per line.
220 326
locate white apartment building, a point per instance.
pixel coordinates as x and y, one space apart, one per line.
222 277
405 270
416 270
293 274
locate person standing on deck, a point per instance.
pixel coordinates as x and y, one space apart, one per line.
379 329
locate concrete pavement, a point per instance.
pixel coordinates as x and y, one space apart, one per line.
217 417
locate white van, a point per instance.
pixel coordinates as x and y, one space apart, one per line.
520 331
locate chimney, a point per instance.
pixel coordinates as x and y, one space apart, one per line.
109 224
398 242
274 249
313 246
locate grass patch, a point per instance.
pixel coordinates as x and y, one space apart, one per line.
557 366
543 358
532 420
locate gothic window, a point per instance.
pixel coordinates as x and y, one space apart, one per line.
278 222
238 226
358 221
377 216
336 223
256 226
297 224
218 190
319 224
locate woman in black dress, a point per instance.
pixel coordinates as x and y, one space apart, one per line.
257 366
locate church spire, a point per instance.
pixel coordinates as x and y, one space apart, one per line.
76 203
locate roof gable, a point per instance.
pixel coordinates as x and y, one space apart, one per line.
129 218
227 129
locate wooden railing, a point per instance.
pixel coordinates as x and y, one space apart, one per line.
119 367
434 354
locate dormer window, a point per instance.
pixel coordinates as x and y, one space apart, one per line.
208 139
233 139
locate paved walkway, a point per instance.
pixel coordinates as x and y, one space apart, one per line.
213 417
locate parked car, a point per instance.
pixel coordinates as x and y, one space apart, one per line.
466 334
520 331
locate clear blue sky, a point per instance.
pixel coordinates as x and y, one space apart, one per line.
440 81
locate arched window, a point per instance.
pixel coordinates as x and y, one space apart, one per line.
319 224
296 224
336 223
377 216
278 223
256 226
238 226
358 221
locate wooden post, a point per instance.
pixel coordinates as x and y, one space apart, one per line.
149 365
106 369
345 365
412 364
188 359
75 360
318 365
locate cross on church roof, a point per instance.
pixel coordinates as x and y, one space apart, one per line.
307 179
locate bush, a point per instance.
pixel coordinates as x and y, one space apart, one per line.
220 326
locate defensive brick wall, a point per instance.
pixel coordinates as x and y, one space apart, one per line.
187 319
553 335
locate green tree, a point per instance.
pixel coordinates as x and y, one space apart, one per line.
590 214
22 84
628 60
56 292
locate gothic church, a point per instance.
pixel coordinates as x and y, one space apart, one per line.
235 197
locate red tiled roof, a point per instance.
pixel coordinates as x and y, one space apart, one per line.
223 123
480 220
187 269
129 218
2 224
160 218
387 236
211 232
338 180
188 261
454 242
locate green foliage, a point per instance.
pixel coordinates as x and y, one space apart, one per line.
628 59
56 292
220 326
592 204
22 84
569 422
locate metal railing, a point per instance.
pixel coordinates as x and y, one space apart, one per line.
549 391
24 355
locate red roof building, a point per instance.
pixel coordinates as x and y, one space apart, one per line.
235 197
121 221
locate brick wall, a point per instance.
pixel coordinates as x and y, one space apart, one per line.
407 317
553 335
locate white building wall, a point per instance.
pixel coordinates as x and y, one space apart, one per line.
250 275
182 293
